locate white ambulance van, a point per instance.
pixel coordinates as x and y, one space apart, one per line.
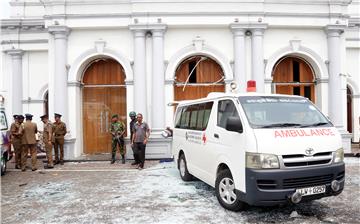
258 149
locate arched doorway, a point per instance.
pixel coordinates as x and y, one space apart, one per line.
104 94
349 109
196 77
294 76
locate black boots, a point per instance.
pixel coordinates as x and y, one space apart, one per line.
122 160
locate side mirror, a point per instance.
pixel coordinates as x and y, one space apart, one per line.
234 124
168 132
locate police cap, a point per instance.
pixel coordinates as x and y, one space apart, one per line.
28 116
57 115
15 116
20 117
44 116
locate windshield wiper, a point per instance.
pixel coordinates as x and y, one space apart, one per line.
315 124
280 125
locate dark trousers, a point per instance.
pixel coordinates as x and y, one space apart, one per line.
136 154
139 149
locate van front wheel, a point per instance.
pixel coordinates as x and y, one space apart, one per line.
184 173
225 192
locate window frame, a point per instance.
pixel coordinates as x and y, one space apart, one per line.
203 106
217 111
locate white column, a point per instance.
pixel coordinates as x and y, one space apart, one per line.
257 59
140 72
239 57
158 79
337 87
60 102
337 98
16 83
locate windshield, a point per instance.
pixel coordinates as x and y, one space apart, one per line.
277 112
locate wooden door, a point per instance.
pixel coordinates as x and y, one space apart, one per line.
293 76
207 76
349 109
104 94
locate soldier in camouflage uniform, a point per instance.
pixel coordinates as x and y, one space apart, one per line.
117 130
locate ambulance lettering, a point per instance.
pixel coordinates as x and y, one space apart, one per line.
303 133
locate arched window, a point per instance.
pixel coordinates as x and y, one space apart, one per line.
294 76
196 77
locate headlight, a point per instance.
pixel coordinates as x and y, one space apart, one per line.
339 156
261 161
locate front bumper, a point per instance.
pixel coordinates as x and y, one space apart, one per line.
273 187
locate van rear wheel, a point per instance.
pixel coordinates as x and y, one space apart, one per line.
3 166
184 173
226 193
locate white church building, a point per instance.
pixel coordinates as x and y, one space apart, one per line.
89 59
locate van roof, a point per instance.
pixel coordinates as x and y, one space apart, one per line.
217 95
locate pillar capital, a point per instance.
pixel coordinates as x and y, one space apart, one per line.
334 30
158 31
258 29
15 53
59 32
238 29
138 31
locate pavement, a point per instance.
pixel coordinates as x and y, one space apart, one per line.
98 192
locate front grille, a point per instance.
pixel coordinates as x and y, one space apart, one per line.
266 184
300 160
307 181
310 163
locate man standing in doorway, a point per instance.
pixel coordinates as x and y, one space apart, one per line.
140 139
15 138
28 140
117 130
132 116
59 131
47 136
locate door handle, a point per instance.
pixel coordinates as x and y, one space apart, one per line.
101 122
216 135
106 121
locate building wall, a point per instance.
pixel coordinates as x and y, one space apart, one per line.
103 29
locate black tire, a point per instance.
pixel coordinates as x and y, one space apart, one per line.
3 167
184 173
228 199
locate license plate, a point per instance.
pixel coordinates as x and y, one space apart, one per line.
312 190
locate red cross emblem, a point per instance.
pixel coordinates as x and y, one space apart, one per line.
204 138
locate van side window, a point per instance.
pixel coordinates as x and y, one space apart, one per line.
177 117
185 118
194 117
203 115
226 108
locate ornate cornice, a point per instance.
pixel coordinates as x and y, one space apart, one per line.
155 27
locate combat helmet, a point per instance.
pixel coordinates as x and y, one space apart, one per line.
132 114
